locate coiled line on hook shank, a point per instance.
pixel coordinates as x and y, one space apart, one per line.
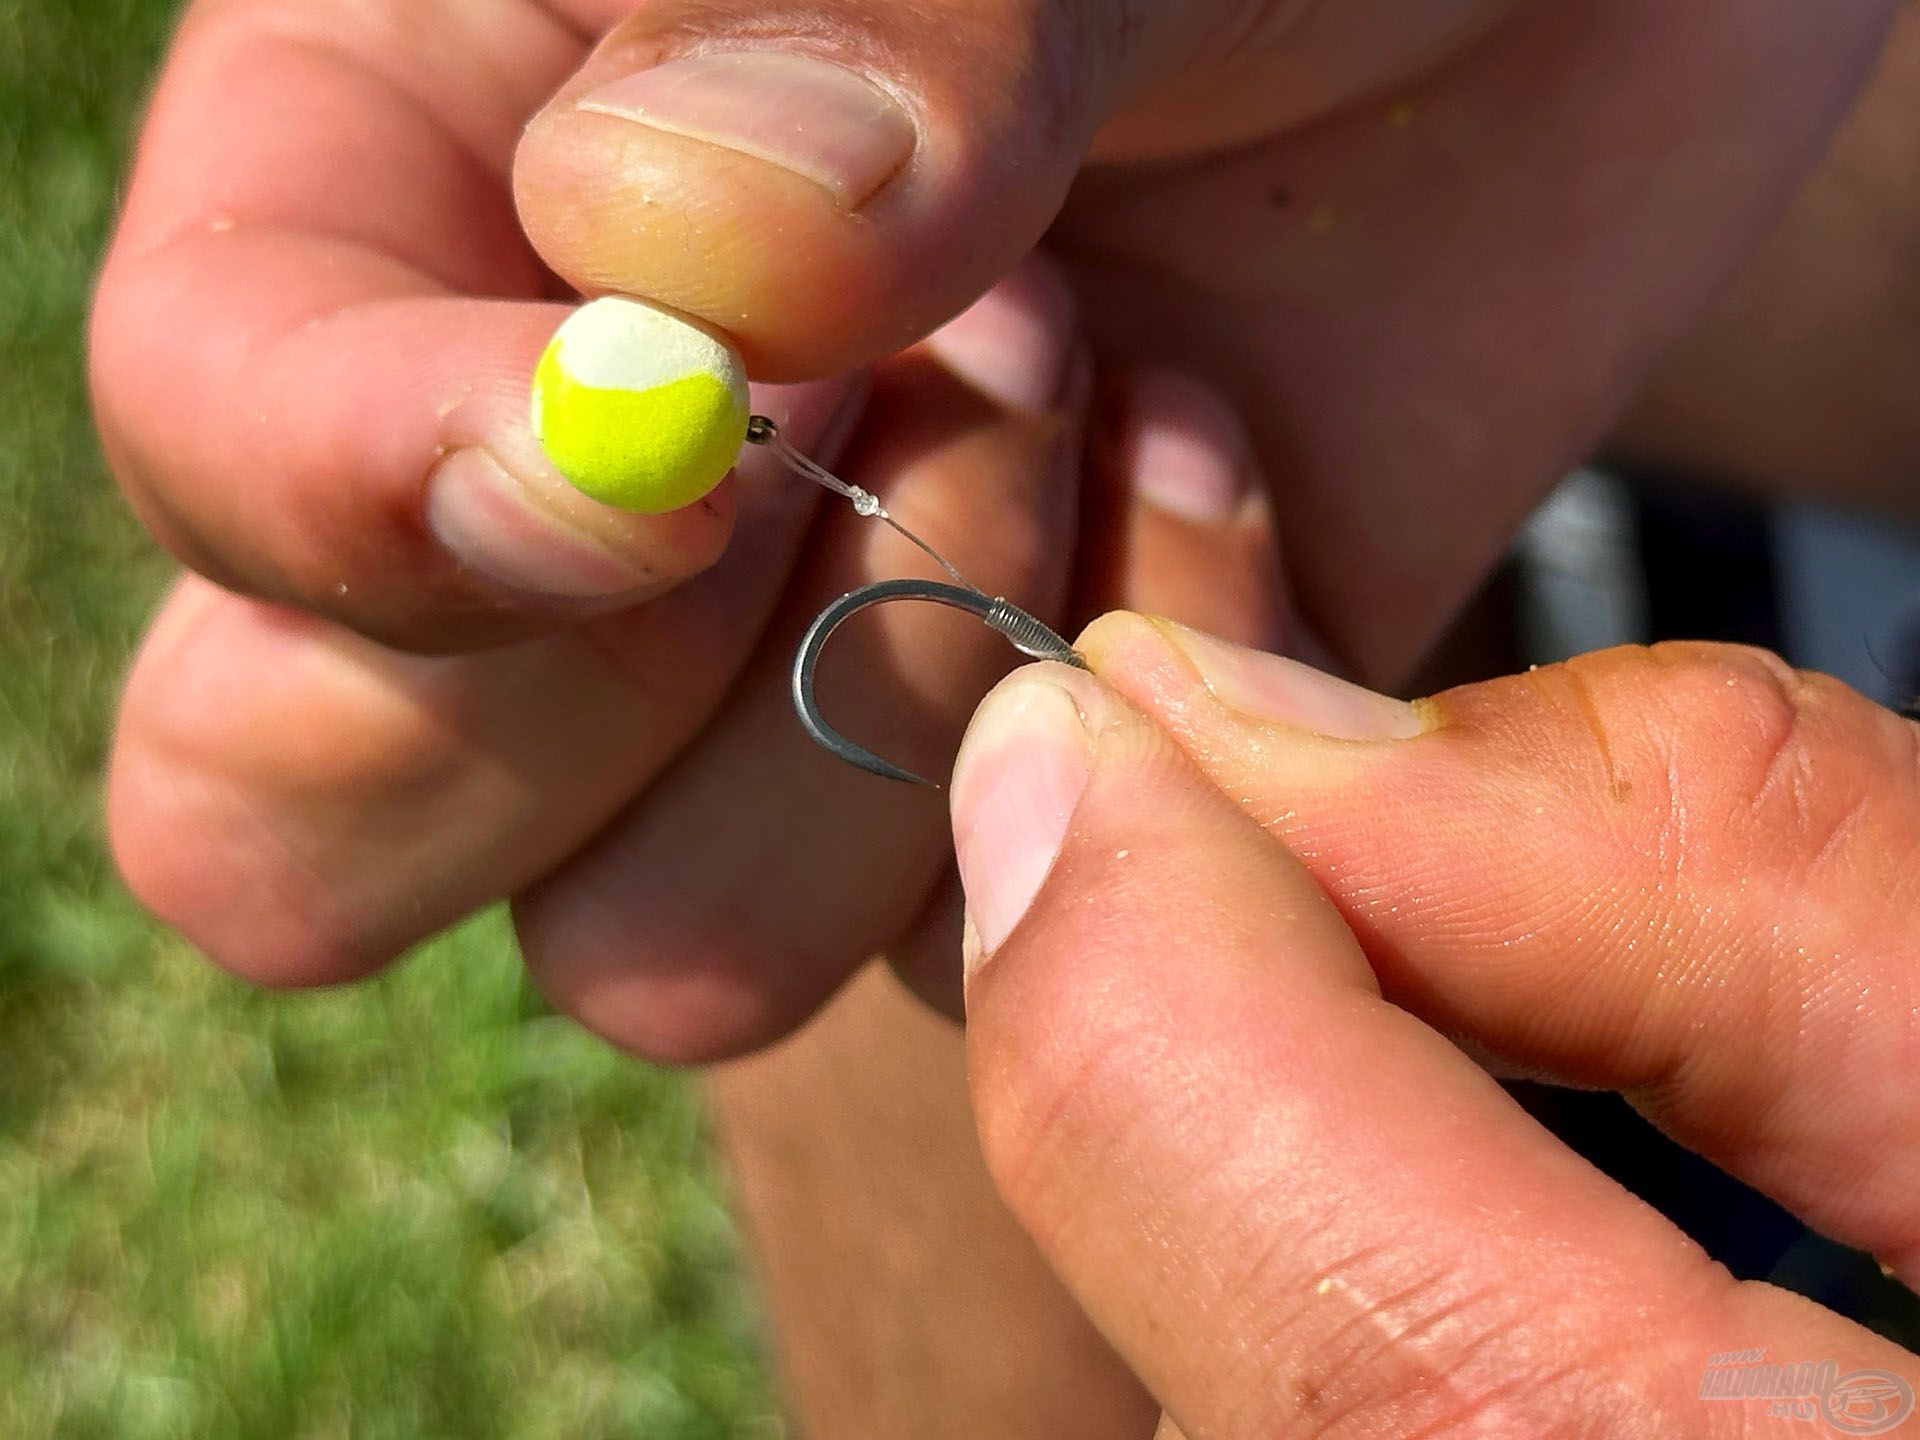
1031 636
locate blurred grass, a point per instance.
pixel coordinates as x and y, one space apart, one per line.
423 1207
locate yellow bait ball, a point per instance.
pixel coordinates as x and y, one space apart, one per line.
637 407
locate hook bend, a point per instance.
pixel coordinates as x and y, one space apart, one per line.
1027 634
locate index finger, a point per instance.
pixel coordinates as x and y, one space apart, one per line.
1293 1208
315 335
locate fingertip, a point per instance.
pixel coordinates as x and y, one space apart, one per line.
1022 768
1019 344
805 287
824 198
367 454
692 993
1179 520
1182 448
1132 652
250 912
218 730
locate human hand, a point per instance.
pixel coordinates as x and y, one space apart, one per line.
1226 914
322 294
314 337
691 873
1801 382
1426 249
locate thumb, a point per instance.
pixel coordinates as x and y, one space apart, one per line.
828 181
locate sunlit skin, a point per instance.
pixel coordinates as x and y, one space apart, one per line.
1425 309
1440 263
1220 1060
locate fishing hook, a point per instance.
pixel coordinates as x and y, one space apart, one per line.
1030 636
1027 634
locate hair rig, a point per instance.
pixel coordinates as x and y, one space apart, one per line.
644 410
1029 635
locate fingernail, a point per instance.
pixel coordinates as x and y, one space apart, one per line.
1026 759
817 119
1272 687
1017 343
495 525
1186 451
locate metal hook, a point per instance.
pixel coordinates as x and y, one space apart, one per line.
1030 636
1027 634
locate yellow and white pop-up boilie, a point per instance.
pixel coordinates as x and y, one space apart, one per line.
638 407
647 411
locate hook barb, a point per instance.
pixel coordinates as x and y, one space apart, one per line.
1030 636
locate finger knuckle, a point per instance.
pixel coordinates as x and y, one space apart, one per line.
256 916
1431 1354
1065 1097
1720 761
1808 769
663 984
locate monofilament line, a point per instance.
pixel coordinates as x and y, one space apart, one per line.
763 432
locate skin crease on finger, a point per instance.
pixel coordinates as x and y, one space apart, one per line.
1686 873
1292 1206
1304 214
305 804
344 517
1538 232
1006 98
318 305
490 771
1327 538
643 938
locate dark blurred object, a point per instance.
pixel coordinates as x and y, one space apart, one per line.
1708 565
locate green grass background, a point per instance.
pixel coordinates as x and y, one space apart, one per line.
422 1207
